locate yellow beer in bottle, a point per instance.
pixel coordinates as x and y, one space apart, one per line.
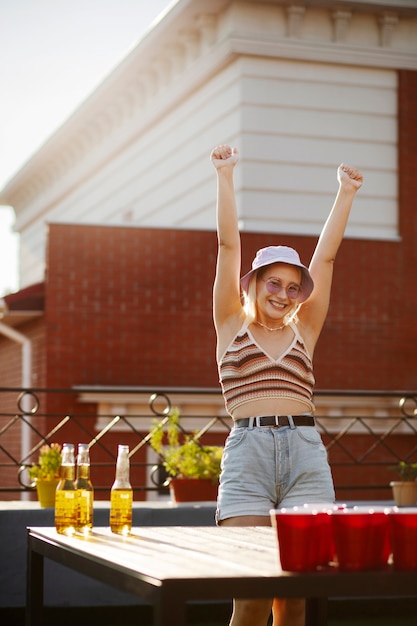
84 491
121 495
65 496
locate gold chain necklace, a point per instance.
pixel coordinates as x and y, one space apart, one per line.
268 327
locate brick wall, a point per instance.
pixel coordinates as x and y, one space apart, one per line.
130 306
133 307
11 376
11 359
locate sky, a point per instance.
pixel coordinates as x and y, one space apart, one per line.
54 54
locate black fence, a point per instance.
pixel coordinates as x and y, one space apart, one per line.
365 433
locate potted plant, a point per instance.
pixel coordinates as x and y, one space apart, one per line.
405 490
45 474
193 468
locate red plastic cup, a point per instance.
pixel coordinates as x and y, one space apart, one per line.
361 538
326 545
300 534
387 551
403 533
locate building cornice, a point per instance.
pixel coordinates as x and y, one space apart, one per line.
181 52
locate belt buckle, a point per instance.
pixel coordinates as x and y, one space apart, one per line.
277 424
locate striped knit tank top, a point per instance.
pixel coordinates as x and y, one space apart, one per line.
247 372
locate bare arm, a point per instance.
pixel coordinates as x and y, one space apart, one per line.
227 307
313 313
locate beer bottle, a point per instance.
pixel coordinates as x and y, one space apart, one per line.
121 495
85 491
65 496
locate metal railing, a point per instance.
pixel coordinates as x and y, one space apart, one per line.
362 448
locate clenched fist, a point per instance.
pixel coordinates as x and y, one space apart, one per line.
346 174
224 156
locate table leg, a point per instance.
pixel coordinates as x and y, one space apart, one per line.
316 612
34 588
169 610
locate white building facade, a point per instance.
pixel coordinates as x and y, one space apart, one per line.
297 87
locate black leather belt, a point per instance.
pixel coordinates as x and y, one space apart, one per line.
275 420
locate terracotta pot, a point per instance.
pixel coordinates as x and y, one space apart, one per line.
46 492
193 489
405 493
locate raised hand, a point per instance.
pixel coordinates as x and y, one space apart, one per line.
348 175
224 156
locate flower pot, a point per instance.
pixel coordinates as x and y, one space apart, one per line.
46 492
405 493
193 489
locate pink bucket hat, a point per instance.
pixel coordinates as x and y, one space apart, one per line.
280 254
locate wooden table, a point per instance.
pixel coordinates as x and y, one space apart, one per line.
169 566
64 587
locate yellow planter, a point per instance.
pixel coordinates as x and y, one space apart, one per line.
46 492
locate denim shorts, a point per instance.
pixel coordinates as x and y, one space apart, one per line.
265 468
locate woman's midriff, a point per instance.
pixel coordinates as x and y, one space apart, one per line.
270 406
